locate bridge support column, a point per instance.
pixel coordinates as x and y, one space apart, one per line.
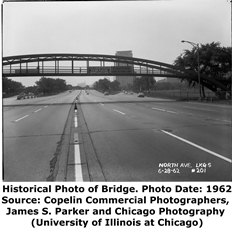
87 65
72 67
56 66
42 66
38 66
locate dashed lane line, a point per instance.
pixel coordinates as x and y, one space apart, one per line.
78 168
28 114
37 110
119 112
199 147
75 121
77 158
21 118
227 121
172 112
163 110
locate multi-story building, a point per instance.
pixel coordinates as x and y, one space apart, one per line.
125 81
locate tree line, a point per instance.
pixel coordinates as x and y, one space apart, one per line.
45 86
10 87
104 85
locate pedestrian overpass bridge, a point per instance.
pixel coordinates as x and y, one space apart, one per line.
95 65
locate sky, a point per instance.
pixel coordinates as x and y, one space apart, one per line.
151 29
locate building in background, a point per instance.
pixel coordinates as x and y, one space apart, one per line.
126 82
168 80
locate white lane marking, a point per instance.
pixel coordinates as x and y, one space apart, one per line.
119 112
77 159
163 110
170 111
226 121
157 109
21 118
37 110
78 168
45 106
101 104
75 122
199 147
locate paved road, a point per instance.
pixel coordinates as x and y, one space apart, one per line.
119 138
33 130
151 140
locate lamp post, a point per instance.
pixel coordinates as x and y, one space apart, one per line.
198 63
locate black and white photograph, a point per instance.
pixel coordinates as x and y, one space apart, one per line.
116 91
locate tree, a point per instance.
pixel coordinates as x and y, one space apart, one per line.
31 89
11 87
102 85
50 85
115 85
215 63
144 83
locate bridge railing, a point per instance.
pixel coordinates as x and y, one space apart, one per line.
69 70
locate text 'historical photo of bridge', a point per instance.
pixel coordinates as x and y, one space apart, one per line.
117 91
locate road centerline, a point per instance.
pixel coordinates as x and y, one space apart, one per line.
75 121
198 146
77 159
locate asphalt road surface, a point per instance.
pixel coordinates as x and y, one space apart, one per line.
33 130
117 137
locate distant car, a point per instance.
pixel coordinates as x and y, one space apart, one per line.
106 93
21 96
140 94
